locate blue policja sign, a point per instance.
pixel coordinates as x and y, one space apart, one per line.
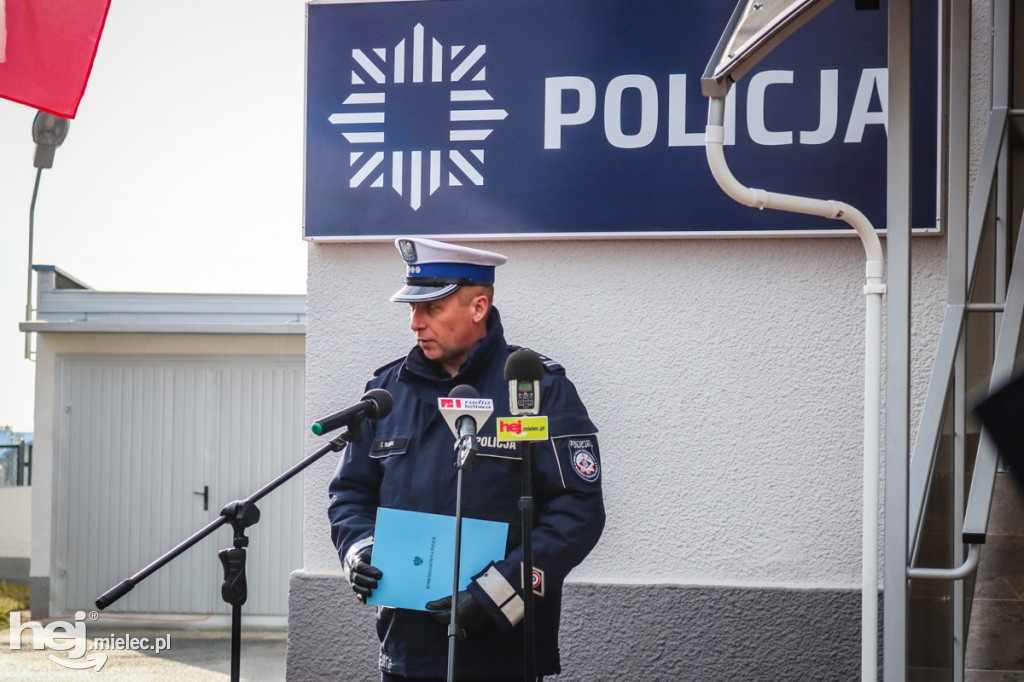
585 117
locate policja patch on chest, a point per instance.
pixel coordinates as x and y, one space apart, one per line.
584 462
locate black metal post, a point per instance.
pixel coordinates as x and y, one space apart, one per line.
526 506
466 449
235 589
453 625
23 464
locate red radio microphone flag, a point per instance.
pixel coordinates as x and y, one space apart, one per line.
47 49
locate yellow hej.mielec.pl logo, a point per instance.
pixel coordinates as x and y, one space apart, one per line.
523 428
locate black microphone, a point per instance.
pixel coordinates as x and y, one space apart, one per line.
523 372
375 404
465 424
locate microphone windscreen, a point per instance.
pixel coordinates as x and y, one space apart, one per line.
464 391
382 400
524 365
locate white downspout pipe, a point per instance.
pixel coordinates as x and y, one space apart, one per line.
874 289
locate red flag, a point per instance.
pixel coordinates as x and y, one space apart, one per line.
50 47
3 32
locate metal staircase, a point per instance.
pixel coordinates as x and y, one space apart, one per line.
995 639
967 623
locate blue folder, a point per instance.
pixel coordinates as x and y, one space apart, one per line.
416 553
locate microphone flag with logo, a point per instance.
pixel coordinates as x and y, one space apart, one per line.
465 401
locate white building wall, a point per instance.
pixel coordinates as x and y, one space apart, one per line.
16 538
726 378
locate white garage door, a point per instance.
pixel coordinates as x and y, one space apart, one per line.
140 443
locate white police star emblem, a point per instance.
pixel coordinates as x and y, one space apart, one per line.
414 169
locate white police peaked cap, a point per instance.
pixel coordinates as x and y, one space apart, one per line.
434 269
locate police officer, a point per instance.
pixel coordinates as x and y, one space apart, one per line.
405 461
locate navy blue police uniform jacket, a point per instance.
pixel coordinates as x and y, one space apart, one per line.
406 461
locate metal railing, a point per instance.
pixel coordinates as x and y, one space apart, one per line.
951 338
943 420
16 463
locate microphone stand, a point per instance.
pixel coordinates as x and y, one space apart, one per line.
524 371
240 514
466 449
526 507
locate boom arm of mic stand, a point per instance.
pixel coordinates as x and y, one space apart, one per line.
353 433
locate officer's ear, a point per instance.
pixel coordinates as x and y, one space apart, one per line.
477 299
481 305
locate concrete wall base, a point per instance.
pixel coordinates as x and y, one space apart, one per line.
39 596
620 632
14 570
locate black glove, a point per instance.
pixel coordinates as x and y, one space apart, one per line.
471 615
361 575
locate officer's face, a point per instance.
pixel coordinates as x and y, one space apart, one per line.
447 329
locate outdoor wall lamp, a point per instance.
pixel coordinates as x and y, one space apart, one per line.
48 132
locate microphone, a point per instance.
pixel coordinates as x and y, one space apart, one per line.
465 412
523 372
375 404
465 424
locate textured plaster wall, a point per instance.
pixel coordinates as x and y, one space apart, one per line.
980 84
726 378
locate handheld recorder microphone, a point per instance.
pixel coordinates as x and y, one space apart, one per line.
523 371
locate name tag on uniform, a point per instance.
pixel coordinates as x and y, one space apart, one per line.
389 444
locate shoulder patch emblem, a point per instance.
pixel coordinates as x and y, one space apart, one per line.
584 462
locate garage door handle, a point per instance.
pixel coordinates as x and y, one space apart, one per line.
205 492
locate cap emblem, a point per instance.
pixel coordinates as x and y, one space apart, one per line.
408 250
